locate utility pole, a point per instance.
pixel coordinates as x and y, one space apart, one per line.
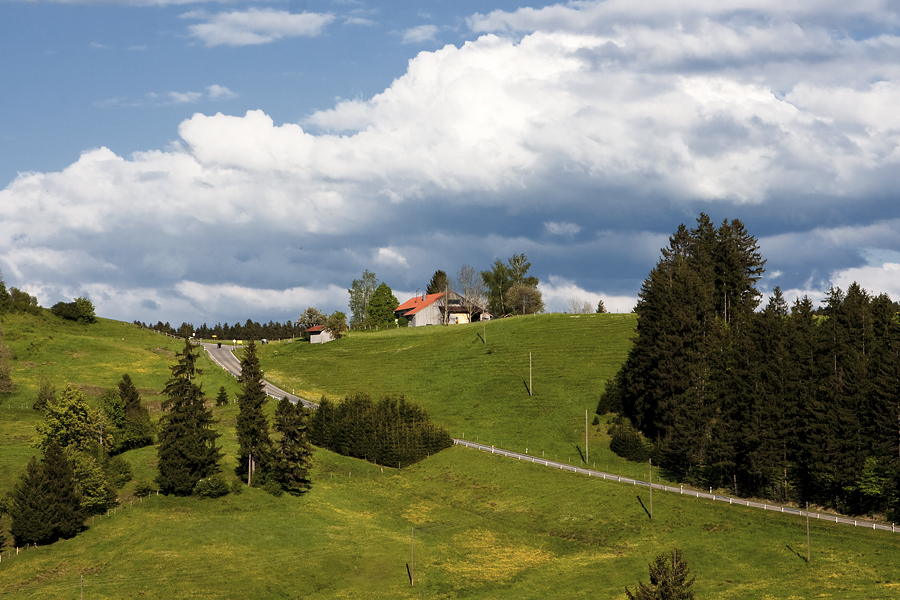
650 465
530 386
412 557
807 532
586 437
249 468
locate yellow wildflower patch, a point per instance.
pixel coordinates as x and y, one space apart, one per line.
485 558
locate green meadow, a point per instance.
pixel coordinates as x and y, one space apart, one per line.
474 378
468 524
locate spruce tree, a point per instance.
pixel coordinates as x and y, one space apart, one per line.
438 284
137 431
668 580
252 425
222 397
45 505
187 448
291 459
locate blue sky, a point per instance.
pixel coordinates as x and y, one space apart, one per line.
217 161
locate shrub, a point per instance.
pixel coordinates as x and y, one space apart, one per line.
237 487
211 487
273 487
118 471
144 488
627 442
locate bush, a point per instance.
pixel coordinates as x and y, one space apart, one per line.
237 487
211 487
144 488
273 487
117 471
627 442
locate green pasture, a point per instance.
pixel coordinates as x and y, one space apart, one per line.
474 378
91 357
482 526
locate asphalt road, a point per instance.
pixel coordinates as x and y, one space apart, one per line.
226 359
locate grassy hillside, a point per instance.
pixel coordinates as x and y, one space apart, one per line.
477 389
92 357
485 527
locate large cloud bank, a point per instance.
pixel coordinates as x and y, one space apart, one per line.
580 134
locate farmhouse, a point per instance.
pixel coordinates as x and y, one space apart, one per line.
429 309
319 335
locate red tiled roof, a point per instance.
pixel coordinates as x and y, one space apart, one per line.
315 329
414 305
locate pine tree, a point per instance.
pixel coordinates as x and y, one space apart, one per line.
222 397
45 505
438 284
137 430
668 580
187 448
252 425
291 461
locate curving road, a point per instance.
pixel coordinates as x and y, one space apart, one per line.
227 360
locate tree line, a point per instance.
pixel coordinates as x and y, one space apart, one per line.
788 402
390 431
250 330
504 289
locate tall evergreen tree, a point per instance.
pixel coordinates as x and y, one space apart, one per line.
187 448
137 430
293 454
668 580
45 505
438 284
252 425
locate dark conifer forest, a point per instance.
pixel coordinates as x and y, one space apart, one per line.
390 432
794 402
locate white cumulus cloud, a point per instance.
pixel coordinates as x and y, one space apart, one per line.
614 116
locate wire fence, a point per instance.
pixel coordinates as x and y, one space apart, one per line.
677 490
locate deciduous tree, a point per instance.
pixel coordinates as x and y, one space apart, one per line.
382 305
360 294
336 324
72 423
502 277
471 288
311 317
